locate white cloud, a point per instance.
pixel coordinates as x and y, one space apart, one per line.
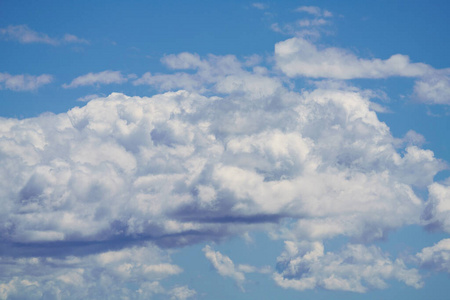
434 88
102 170
23 34
299 57
105 77
23 82
70 38
356 268
89 97
182 293
222 74
224 265
312 23
260 5
133 272
312 26
315 11
437 212
179 168
436 257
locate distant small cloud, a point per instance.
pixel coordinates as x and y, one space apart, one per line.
226 268
434 88
25 35
182 293
70 38
224 265
315 11
260 5
88 98
23 82
312 25
105 77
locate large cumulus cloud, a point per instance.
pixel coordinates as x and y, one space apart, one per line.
236 150
184 163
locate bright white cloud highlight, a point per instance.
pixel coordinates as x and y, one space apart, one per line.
105 77
23 82
356 268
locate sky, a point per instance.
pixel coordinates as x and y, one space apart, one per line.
224 149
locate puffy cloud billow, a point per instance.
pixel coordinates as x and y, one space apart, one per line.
356 268
233 151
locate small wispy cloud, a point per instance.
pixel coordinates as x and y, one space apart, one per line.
312 25
315 11
226 267
70 38
88 98
23 82
260 5
25 35
105 77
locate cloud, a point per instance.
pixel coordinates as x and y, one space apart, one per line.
221 74
89 97
101 181
136 271
260 5
226 268
23 82
315 11
437 212
182 293
434 88
436 257
105 77
298 57
356 268
70 38
224 265
312 26
23 34
101 171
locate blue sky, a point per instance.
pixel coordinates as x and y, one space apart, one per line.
224 150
